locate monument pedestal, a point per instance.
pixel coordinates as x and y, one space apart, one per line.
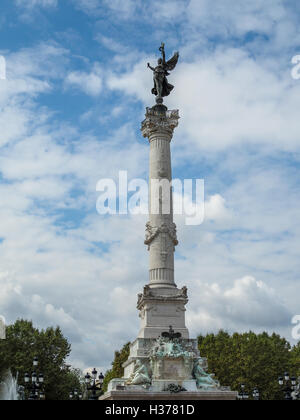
167 368
141 350
161 307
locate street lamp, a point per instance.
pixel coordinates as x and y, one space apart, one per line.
76 395
101 379
243 395
93 385
256 394
34 383
289 386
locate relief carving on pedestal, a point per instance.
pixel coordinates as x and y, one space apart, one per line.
166 347
172 358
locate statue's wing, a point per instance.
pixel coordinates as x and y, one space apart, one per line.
165 335
171 64
177 335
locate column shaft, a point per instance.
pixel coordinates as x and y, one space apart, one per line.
161 230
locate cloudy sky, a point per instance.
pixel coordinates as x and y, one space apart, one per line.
71 106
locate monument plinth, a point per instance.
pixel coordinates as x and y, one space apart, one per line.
164 363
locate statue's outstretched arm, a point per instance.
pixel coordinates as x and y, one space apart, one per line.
150 67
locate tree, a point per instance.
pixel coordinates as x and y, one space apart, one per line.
253 359
117 370
295 356
24 342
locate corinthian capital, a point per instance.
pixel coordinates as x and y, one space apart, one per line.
156 122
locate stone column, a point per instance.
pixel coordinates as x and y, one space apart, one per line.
161 304
161 237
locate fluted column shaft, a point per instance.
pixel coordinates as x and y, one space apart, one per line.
160 230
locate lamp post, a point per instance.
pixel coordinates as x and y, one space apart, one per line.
288 385
256 394
76 395
34 383
243 395
92 385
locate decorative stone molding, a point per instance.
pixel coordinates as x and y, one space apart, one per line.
149 296
153 231
164 274
157 122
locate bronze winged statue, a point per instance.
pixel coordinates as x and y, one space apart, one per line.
162 87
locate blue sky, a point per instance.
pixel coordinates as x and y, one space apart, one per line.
71 107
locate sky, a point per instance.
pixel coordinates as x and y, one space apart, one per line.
71 105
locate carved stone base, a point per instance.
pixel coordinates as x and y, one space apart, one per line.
163 396
158 385
140 349
163 358
159 308
156 367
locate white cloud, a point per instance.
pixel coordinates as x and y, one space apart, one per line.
124 9
167 11
248 303
36 3
88 6
90 83
46 60
30 72
234 18
32 306
215 208
135 82
199 20
111 44
42 166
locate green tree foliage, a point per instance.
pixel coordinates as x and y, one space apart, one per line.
117 370
295 354
24 342
253 359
